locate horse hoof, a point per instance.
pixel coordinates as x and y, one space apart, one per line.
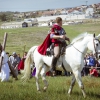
39 91
44 89
69 92
84 96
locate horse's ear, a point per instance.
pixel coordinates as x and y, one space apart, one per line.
98 36
94 35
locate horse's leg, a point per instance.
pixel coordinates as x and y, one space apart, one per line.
72 84
78 77
43 75
38 69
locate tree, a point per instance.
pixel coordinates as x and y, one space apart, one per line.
6 16
3 17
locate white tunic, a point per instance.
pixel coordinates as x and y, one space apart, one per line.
4 75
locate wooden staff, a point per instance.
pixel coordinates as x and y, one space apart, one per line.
4 41
24 50
10 67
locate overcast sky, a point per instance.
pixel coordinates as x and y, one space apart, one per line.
33 5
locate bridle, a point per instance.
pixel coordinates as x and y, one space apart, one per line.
93 45
96 53
78 50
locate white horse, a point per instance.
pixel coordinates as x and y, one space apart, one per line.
73 60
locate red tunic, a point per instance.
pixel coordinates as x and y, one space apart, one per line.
58 28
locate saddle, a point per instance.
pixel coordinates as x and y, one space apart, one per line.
50 50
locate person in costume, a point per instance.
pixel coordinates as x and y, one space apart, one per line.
58 38
14 61
4 68
94 72
21 63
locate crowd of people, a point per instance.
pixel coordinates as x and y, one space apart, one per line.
92 65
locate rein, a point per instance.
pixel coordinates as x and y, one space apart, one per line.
78 50
94 48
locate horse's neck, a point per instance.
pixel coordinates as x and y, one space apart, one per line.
82 45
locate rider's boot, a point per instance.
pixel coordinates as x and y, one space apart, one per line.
54 62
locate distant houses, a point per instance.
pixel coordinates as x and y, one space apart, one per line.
48 13
89 10
45 17
22 24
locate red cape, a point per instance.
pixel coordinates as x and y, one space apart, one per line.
43 47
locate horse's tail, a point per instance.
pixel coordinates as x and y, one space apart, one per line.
27 64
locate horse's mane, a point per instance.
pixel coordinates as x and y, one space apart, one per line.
80 37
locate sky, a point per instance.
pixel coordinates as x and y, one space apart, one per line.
33 5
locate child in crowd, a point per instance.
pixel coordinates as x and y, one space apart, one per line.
93 72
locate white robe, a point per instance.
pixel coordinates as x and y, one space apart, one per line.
4 75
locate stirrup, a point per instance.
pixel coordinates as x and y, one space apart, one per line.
62 53
54 73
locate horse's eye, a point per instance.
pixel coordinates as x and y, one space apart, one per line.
97 44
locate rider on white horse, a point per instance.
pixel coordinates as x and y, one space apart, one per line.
57 38
56 34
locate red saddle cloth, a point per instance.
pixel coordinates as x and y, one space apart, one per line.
43 47
21 65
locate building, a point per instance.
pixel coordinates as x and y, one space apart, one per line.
24 24
89 11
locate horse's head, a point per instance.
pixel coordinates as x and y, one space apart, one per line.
94 45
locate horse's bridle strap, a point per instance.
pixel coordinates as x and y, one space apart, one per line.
95 48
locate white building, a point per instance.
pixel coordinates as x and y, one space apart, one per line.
89 11
76 12
64 12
